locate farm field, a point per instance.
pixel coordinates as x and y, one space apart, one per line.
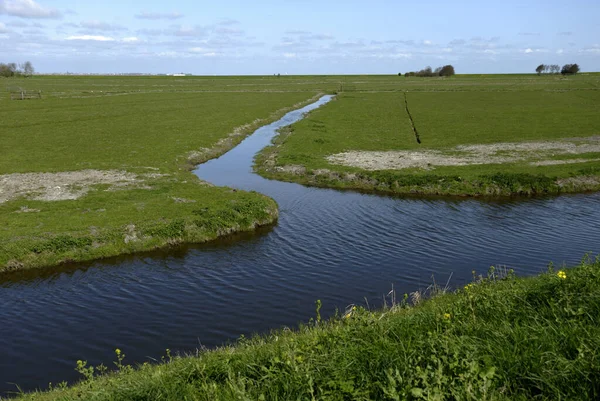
101 165
472 136
85 173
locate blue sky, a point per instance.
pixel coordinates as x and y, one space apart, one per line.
298 36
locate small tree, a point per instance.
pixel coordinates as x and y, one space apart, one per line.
8 70
425 72
447 71
27 69
574 69
569 69
540 68
399 74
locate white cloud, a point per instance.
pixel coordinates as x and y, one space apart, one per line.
27 9
131 39
457 42
228 31
594 49
186 30
427 42
529 50
3 28
168 54
155 16
97 38
400 55
290 55
560 51
101 26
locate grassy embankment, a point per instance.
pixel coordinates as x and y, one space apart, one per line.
497 339
533 135
145 134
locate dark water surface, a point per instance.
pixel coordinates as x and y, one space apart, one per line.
340 247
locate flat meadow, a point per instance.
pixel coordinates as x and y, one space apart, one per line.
100 166
465 135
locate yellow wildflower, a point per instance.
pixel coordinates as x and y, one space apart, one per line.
118 351
561 274
447 316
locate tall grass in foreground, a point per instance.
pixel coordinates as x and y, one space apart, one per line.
510 338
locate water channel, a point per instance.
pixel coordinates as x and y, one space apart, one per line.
339 247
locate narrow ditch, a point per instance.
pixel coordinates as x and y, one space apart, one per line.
412 122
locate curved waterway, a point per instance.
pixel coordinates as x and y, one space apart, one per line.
340 247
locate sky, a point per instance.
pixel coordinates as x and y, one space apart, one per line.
241 37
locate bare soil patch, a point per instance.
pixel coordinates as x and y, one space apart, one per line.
61 186
465 155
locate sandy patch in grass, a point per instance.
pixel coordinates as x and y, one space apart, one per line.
568 161
538 153
60 186
291 169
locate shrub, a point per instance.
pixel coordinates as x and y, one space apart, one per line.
569 69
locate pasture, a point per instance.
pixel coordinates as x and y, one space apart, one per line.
464 135
101 165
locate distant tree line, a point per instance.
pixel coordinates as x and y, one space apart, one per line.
445 71
13 70
555 69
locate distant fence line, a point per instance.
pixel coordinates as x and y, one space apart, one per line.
24 95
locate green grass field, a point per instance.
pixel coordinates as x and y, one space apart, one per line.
553 120
499 338
146 131
130 143
142 135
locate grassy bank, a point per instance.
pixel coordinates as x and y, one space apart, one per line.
497 338
461 136
101 166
